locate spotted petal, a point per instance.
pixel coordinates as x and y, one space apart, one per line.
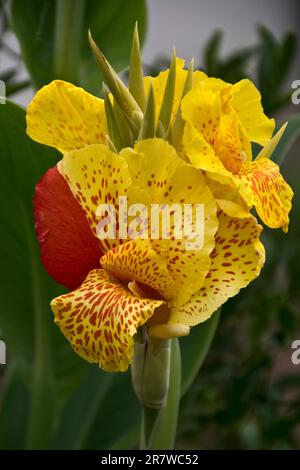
96 176
201 108
137 261
262 186
236 260
66 117
159 176
100 319
202 155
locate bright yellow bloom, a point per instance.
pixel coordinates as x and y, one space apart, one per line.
113 149
156 283
221 122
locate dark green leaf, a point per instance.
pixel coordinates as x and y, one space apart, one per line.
44 357
14 404
102 412
110 22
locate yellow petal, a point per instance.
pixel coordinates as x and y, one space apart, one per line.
201 108
236 260
229 199
159 176
245 100
229 147
96 176
137 261
202 155
100 319
262 186
66 117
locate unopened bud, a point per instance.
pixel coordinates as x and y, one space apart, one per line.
150 370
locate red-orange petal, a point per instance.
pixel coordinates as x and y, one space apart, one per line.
69 248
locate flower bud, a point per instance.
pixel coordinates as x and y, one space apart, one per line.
150 370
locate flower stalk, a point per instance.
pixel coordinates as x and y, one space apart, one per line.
67 38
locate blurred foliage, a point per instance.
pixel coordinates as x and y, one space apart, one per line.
267 63
10 75
51 50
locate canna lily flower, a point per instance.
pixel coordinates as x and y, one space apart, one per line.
131 147
129 283
220 121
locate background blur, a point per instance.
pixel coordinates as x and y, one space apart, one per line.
247 394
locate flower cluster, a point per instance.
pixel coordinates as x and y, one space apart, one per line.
178 138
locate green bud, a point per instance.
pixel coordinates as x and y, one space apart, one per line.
148 124
150 370
126 134
112 124
110 144
119 91
160 131
168 98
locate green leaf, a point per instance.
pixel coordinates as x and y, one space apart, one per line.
43 356
289 137
102 412
110 22
194 349
14 405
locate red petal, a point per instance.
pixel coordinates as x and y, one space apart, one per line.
69 248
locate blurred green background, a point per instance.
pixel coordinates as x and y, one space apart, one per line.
247 393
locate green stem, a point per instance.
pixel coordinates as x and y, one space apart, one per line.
68 38
149 419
